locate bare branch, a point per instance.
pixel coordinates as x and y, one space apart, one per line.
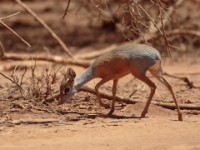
5 25
185 32
129 101
22 77
44 57
66 10
33 121
53 34
189 83
12 15
182 106
2 50
10 79
106 96
165 20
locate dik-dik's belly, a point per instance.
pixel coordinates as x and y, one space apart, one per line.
112 69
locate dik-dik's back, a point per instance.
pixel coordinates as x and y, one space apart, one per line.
134 58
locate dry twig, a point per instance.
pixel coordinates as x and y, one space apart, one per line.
106 96
3 18
66 10
5 25
165 20
129 101
189 83
44 57
32 121
53 34
182 106
10 79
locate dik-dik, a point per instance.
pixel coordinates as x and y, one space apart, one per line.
136 59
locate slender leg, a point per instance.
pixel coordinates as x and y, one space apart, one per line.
164 81
97 91
114 90
152 86
157 72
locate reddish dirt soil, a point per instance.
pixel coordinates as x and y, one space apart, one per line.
124 130
84 124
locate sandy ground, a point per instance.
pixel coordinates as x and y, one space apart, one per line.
127 134
123 131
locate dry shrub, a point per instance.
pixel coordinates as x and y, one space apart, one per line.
134 18
34 84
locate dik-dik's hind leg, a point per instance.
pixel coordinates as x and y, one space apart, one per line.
157 72
114 91
164 81
97 92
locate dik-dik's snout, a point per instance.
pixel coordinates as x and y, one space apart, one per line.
63 98
66 95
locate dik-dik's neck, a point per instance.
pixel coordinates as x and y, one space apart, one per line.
84 78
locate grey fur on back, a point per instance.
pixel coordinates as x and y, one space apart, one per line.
139 56
138 51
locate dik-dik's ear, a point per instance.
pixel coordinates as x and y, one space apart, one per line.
71 74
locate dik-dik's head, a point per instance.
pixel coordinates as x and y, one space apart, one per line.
67 89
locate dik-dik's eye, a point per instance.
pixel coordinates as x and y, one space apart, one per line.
67 89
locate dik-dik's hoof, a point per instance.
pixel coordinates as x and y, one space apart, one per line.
143 114
111 112
180 117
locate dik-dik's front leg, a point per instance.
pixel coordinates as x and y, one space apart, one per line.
97 92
